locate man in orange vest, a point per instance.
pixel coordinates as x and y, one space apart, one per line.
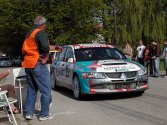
36 50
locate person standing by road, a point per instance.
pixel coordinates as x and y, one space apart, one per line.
140 50
164 55
156 59
128 51
36 50
151 54
147 56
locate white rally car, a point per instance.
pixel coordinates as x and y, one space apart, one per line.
97 68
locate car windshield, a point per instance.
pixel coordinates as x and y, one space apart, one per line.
101 53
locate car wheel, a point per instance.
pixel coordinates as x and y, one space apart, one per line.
76 88
140 93
53 81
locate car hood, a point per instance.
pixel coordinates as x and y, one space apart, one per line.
109 66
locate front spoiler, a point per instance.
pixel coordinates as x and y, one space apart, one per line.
105 91
142 88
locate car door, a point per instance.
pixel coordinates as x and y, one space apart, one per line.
69 65
60 68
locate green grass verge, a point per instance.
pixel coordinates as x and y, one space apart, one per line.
161 66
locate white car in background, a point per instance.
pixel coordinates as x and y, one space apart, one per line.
5 61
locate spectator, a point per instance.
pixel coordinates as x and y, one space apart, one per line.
164 55
146 56
36 50
10 90
140 50
128 51
156 59
151 54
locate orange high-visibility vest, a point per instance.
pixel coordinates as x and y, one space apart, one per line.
30 51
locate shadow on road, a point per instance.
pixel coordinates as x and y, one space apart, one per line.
97 97
4 121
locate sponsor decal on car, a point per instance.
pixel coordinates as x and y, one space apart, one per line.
79 46
94 65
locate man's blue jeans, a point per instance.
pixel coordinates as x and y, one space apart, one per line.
38 78
156 62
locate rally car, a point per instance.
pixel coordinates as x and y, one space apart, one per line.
97 68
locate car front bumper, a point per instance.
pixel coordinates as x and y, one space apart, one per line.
118 85
141 88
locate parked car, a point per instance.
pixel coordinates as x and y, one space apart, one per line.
5 61
97 68
2 54
18 61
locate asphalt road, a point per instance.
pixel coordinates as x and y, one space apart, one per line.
111 109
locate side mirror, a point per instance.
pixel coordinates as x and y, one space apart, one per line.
70 60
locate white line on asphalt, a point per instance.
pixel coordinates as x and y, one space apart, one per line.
60 113
64 113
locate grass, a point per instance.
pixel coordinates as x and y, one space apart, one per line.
161 66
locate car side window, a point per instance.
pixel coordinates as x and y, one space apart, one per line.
57 56
69 54
62 54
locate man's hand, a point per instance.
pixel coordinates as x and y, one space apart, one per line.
43 58
153 57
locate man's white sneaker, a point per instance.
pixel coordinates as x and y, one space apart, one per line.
50 104
29 117
50 116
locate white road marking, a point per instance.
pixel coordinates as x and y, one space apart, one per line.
60 113
64 113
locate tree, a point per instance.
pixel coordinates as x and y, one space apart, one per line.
137 19
77 21
154 20
69 21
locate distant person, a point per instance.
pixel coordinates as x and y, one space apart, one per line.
10 90
151 54
156 59
147 56
164 55
140 50
127 50
36 51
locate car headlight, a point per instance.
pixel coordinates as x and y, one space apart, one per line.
142 72
96 75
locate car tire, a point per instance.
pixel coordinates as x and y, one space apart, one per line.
76 87
140 93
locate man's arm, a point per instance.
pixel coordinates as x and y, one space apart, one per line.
4 74
43 46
